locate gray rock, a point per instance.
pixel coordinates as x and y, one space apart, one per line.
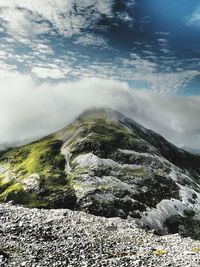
76 239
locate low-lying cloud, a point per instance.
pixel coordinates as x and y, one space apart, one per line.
29 109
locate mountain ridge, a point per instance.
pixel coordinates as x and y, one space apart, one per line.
109 165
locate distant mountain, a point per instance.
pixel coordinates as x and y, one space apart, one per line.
107 164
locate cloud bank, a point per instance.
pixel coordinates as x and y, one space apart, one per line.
29 109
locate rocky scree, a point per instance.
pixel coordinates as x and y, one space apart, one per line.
38 237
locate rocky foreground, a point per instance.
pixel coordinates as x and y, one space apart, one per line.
37 237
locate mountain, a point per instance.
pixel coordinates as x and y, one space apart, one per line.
108 165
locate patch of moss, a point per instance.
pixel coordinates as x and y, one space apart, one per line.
49 197
15 187
4 184
196 250
159 252
42 157
135 172
45 159
17 194
82 188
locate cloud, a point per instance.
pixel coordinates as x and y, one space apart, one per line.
67 17
6 70
194 19
92 40
166 75
22 23
24 19
42 48
29 109
53 72
144 72
27 19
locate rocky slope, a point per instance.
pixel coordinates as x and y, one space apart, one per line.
106 164
33 238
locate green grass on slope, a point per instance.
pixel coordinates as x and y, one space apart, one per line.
38 157
42 157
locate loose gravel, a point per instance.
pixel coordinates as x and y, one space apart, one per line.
36 238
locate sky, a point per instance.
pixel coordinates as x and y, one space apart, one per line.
59 57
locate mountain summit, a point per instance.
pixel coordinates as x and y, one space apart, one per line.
107 164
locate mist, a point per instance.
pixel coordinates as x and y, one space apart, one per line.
30 109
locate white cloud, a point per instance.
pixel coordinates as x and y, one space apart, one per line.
54 72
170 82
136 69
29 109
6 70
42 60
68 17
22 23
194 19
91 39
26 19
41 48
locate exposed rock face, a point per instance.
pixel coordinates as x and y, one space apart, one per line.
106 164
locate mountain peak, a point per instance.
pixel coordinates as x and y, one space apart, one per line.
102 112
113 115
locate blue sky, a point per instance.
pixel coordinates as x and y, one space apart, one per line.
150 48
159 38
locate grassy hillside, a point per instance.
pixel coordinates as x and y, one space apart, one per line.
29 174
